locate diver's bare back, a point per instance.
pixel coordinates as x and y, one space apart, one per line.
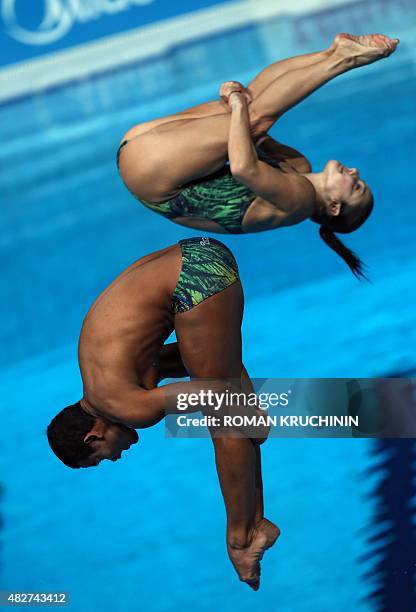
127 325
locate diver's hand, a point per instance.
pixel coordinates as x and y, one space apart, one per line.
230 87
237 100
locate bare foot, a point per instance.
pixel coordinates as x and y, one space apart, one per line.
246 561
364 49
230 87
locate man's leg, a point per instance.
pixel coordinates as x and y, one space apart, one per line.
247 387
259 487
209 339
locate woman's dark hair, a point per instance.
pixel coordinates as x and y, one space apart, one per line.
351 259
343 224
66 433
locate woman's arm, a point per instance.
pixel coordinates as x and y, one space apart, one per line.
270 150
282 190
273 152
242 153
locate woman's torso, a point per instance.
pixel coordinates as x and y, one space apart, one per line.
219 203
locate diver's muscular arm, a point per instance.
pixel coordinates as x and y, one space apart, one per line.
138 408
285 191
242 153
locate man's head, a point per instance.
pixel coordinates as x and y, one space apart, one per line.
80 439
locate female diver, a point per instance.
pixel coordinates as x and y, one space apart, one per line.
177 165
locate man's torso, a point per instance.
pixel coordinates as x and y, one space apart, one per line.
127 325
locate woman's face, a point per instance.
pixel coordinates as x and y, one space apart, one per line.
345 191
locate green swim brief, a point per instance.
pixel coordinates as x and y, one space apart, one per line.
208 267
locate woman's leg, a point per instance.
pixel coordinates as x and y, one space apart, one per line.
256 86
310 72
281 67
155 165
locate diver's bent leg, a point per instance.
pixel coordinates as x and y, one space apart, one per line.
157 163
346 52
259 487
236 466
277 69
249 534
209 340
247 387
200 111
294 86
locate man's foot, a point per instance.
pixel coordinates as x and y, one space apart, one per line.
230 87
247 560
366 49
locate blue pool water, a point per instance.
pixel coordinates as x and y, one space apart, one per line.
148 533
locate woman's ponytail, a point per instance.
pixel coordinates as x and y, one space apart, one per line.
353 262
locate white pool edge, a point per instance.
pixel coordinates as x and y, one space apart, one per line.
112 52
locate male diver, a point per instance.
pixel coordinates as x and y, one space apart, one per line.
122 357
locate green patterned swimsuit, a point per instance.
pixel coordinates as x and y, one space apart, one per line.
218 197
208 267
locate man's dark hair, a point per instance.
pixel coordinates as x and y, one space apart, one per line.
66 433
